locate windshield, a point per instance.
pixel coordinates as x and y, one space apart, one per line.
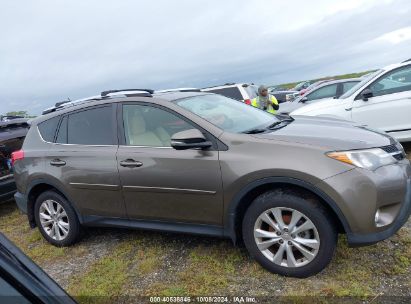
360 84
227 114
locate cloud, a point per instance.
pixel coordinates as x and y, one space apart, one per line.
52 50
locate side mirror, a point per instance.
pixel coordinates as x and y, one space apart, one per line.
189 139
367 93
304 99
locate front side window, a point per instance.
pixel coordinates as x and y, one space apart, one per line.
231 92
324 92
356 87
90 127
226 113
393 82
151 126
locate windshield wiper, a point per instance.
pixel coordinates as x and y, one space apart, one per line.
277 123
272 126
255 131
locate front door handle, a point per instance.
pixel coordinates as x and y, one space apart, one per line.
348 109
57 162
131 163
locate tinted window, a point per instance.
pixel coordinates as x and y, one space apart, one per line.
232 92
48 128
151 126
91 127
348 85
324 92
62 132
394 82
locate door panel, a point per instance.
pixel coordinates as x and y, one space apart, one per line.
159 182
172 185
387 112
90 177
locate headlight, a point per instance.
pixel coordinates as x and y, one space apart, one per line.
370 159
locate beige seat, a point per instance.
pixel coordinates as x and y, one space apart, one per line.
138 135
163 135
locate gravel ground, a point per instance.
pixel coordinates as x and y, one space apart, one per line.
116 262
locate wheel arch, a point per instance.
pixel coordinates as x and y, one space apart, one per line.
39 186
244 198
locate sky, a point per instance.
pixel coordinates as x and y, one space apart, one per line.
52 49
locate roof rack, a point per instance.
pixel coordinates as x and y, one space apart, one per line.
406 60
138 91
179 90
62 102
103 95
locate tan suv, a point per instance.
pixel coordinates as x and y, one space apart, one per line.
202 163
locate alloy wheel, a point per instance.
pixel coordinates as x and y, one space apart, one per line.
286 237
54 220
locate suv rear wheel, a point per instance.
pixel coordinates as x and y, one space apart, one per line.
56 219
289 235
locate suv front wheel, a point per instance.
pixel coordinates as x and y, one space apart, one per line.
289 235
56 219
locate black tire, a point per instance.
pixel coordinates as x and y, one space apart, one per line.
74 224
325 226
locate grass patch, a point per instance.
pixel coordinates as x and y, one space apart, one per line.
209 270
104 278
147 260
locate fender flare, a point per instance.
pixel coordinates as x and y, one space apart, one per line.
229 221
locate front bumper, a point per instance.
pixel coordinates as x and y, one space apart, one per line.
360 193
357 239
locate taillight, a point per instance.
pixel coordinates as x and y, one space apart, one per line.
16 155
247 101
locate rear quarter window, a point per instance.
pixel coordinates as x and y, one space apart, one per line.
232 92
48 128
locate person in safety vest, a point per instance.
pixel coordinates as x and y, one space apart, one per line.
265 101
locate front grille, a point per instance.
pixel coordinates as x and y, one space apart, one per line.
390 149
394 151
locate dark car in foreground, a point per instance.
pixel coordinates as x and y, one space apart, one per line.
203 163
22 281
12 133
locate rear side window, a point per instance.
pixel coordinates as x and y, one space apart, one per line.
324 92
348 85
48 128
91 127
232 92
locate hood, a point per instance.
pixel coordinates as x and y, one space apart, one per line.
330 133
288 107
319 105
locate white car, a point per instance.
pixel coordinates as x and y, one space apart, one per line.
381 101
243 92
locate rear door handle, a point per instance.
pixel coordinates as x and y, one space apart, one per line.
57 162
131 163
